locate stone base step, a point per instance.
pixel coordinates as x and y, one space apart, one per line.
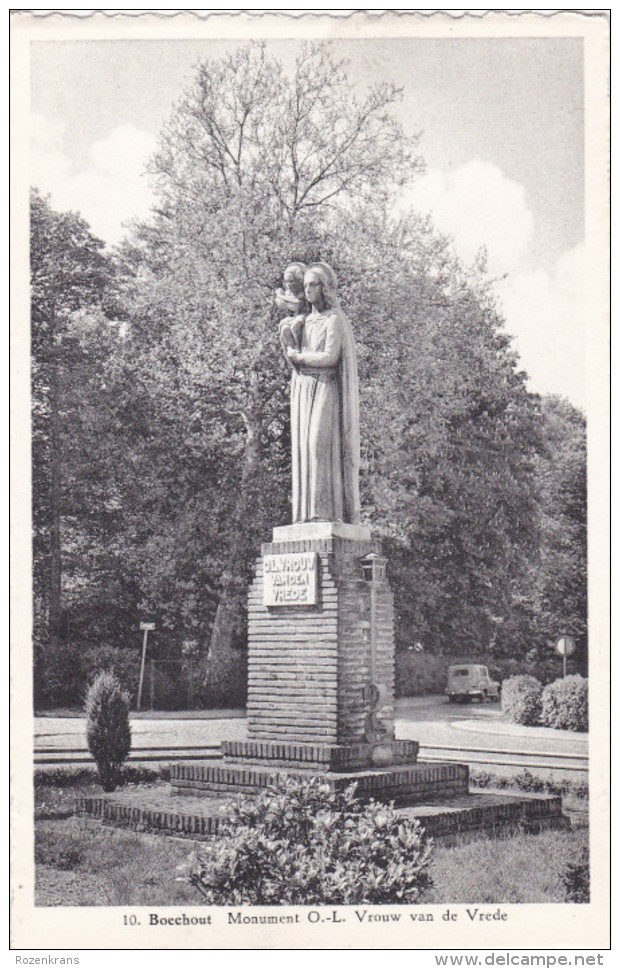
406 784
489 814
319 756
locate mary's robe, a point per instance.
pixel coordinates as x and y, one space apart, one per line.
325 422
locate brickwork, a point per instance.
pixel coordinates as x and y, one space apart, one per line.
399 783
309 666
333 757
114 811
492 814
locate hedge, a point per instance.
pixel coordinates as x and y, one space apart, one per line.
522 699
565 704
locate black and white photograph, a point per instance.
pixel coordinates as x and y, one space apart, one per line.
310 402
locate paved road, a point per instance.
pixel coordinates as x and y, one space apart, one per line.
430 720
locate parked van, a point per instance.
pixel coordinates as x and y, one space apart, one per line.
468 681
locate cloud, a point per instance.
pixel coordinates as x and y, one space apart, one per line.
112 187
477 205
546 314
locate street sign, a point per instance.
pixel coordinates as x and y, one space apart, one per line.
147 626
565 645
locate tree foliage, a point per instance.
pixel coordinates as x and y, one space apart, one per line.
563 514
68 272
450 434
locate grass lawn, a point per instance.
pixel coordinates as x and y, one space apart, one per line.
80 862
523 868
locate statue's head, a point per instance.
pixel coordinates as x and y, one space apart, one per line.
294 277
323 274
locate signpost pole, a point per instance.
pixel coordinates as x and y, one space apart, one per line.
146 627
144 641
565 646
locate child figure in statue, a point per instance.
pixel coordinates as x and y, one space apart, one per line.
292 300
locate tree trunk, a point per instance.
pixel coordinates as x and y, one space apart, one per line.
225 666
55 493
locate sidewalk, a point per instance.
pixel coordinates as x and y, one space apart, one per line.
56 733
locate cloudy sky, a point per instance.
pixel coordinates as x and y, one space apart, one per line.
502 124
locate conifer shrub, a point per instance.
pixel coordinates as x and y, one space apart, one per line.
521 699
302 844
565 704
107 728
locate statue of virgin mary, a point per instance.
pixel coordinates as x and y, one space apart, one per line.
324 408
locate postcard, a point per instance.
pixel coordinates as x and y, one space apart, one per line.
310 400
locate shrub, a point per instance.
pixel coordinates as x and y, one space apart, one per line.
63 777
565 704
107 730
302 844
62 673
418 674
576 878
526 781
521 699
58 676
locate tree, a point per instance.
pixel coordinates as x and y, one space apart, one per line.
450 434
561 573
68 272
250 166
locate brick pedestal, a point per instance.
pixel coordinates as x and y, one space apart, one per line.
321 677
309 666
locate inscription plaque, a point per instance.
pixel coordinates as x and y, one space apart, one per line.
290 579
